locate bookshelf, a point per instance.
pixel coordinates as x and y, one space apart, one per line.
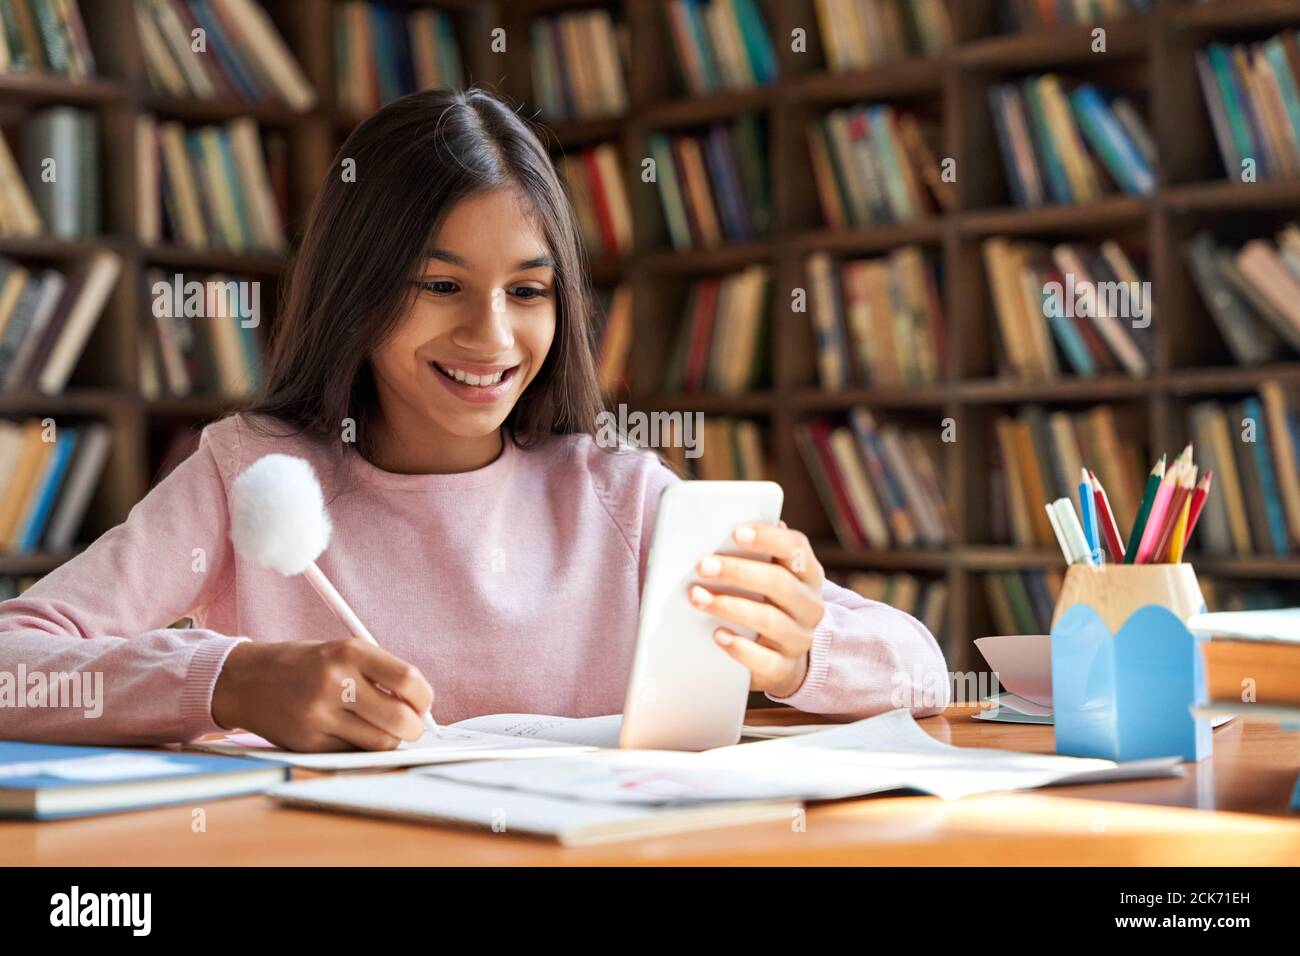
1150 56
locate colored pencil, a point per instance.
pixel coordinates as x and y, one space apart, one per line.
1178 540
1182 491
1156 516
1109 526
1144 509
1198 503
1088 511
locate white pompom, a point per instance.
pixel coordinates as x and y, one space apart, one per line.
278 516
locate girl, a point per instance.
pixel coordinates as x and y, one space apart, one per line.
432 363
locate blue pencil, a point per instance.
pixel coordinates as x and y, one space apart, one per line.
1088 510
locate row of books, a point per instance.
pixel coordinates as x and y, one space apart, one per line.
872 165
1068 307
1253 294
720 45
219 49
204 338
714 186
383 52
1018 15
1253 99
925 600
1021 602
1251 446
212 186
879 484
722 339
45 36
726 449
876 321
858 34
55 191
594 178
1054 144
46 317
613 337
48 474
577 66
1039 458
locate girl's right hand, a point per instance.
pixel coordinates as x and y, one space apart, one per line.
312 696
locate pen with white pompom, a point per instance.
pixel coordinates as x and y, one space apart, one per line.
278 520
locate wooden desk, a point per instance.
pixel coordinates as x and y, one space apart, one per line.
1232 809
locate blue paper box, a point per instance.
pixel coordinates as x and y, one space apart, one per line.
1128 696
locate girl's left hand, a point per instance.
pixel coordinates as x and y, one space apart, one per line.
792 585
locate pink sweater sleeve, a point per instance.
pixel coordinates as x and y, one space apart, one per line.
101 620
866 657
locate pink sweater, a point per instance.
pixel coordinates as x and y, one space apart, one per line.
513 588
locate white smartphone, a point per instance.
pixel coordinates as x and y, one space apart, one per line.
685 692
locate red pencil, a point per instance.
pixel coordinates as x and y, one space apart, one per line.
1106 518
1198 502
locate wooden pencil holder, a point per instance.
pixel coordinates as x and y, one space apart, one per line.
1126 671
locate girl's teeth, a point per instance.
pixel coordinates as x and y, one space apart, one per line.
482 381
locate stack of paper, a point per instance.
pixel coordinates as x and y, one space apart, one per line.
884 753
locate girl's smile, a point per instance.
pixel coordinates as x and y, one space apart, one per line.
476 383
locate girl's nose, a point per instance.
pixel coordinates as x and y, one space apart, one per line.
487 330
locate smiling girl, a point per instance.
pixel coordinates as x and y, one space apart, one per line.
432 362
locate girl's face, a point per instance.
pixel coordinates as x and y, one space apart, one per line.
478 328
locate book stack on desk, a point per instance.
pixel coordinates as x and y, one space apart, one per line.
45 782
1252 661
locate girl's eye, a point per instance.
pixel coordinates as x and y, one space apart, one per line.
527 292
438 286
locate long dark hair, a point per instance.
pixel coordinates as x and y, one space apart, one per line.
365 239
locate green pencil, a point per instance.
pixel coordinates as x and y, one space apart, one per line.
1144 510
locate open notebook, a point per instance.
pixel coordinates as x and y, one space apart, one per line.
491 737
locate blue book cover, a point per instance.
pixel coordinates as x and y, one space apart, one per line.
1067 335
758 46
882 479
1045 147
403 65
1277 531
700 37
230 55
51 481
381 34
726 191
1109 141
237 190
50 782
